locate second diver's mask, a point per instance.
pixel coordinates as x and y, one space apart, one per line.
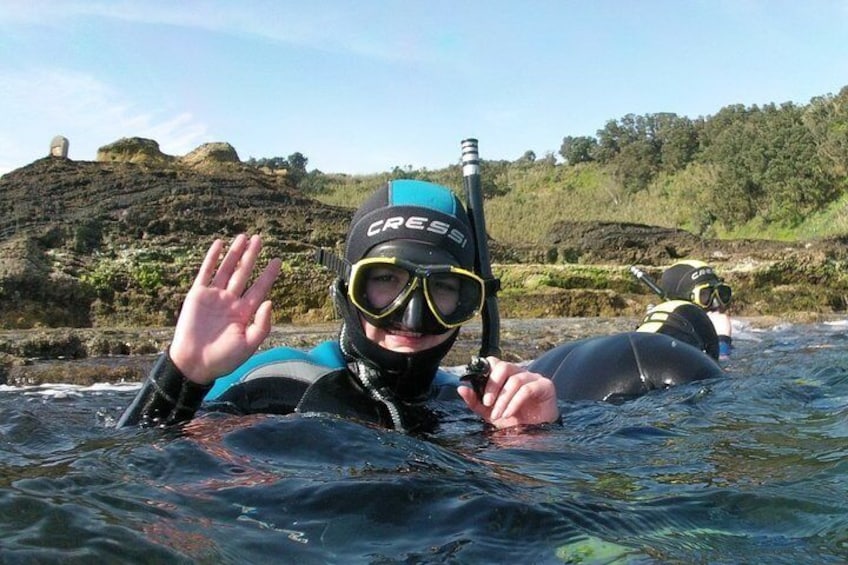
712 295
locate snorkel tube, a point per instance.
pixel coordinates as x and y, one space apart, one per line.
490 342
649 282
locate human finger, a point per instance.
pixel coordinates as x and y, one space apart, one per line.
471 399
260 288
533 402
521 398
230 262
507 393
256 332
498 375
207 268
244 268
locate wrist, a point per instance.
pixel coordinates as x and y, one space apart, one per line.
188 368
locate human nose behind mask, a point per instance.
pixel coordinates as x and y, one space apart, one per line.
417 317
413 313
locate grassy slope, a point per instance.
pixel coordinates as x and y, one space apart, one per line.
539 195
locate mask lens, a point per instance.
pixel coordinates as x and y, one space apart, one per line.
724 293
375 288
454 297
704 296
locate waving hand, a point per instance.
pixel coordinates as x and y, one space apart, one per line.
223 321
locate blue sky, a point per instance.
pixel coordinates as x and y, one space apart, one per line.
362 86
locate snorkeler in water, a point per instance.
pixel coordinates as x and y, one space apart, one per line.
675 344
698 283
405 285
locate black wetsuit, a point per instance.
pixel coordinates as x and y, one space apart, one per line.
622 366
282 381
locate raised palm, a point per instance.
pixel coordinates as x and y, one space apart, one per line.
223 321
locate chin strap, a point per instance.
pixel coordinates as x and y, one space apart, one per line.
367 375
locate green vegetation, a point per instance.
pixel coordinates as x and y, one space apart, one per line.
143 271
772 172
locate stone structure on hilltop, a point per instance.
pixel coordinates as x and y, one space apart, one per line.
59 147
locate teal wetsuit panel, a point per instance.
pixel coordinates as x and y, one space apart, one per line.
325 355
283 361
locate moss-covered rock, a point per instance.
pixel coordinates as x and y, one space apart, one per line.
117 243
133 150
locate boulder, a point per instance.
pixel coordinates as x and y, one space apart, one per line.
210 156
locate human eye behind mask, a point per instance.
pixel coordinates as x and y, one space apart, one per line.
379 286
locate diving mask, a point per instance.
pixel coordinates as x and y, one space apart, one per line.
711 295
384 288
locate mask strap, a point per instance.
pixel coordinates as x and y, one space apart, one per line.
333 262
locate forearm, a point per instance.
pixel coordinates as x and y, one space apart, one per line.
165 398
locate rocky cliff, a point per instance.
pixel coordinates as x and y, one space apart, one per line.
116 243
87 247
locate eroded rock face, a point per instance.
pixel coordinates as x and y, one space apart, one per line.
209 156
117 243
136 150
628 244
114 242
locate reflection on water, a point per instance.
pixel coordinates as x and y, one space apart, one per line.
751 468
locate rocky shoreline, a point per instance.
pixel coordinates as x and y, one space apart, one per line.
89 248
88 356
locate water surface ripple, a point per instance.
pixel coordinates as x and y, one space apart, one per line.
749 468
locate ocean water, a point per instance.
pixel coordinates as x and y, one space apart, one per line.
751 468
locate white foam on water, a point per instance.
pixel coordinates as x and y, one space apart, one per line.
62 390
